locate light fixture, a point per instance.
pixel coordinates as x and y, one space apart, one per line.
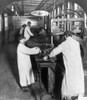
40 13
12 8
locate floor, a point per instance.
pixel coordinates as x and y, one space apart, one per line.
9 85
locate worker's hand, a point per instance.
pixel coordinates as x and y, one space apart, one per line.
39 50
45 58
23 40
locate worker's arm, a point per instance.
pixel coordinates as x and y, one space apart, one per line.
55 51
31 51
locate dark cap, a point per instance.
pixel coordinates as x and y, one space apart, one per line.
24 25
28 22
68 33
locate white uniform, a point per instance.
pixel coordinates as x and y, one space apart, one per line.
21 30
27 33
24 64
73 81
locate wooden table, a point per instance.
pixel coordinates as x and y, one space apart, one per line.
51 72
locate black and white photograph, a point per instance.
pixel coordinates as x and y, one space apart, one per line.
43 49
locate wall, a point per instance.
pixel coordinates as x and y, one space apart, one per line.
36 22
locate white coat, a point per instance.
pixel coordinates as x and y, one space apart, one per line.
73 81
26 75
27 33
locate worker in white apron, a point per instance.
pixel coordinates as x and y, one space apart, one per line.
73 81
26 75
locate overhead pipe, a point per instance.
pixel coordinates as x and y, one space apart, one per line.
42 4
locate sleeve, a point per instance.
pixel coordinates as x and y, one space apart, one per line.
29 51
21 31
26 35
57 50
29 32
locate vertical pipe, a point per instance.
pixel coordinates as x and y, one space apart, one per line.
0 23
22 7
58 12
3 28
68 15
53 17
6 27
85 21
75 8
0 31
54 8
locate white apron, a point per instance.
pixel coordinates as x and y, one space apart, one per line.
73 81
24 64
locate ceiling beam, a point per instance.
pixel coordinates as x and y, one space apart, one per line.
4 3
31 5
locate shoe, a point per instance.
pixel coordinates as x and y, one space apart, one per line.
25 88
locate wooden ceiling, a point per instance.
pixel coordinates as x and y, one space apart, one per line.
24 6
27 6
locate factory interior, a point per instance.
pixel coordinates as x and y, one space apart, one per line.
56 17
